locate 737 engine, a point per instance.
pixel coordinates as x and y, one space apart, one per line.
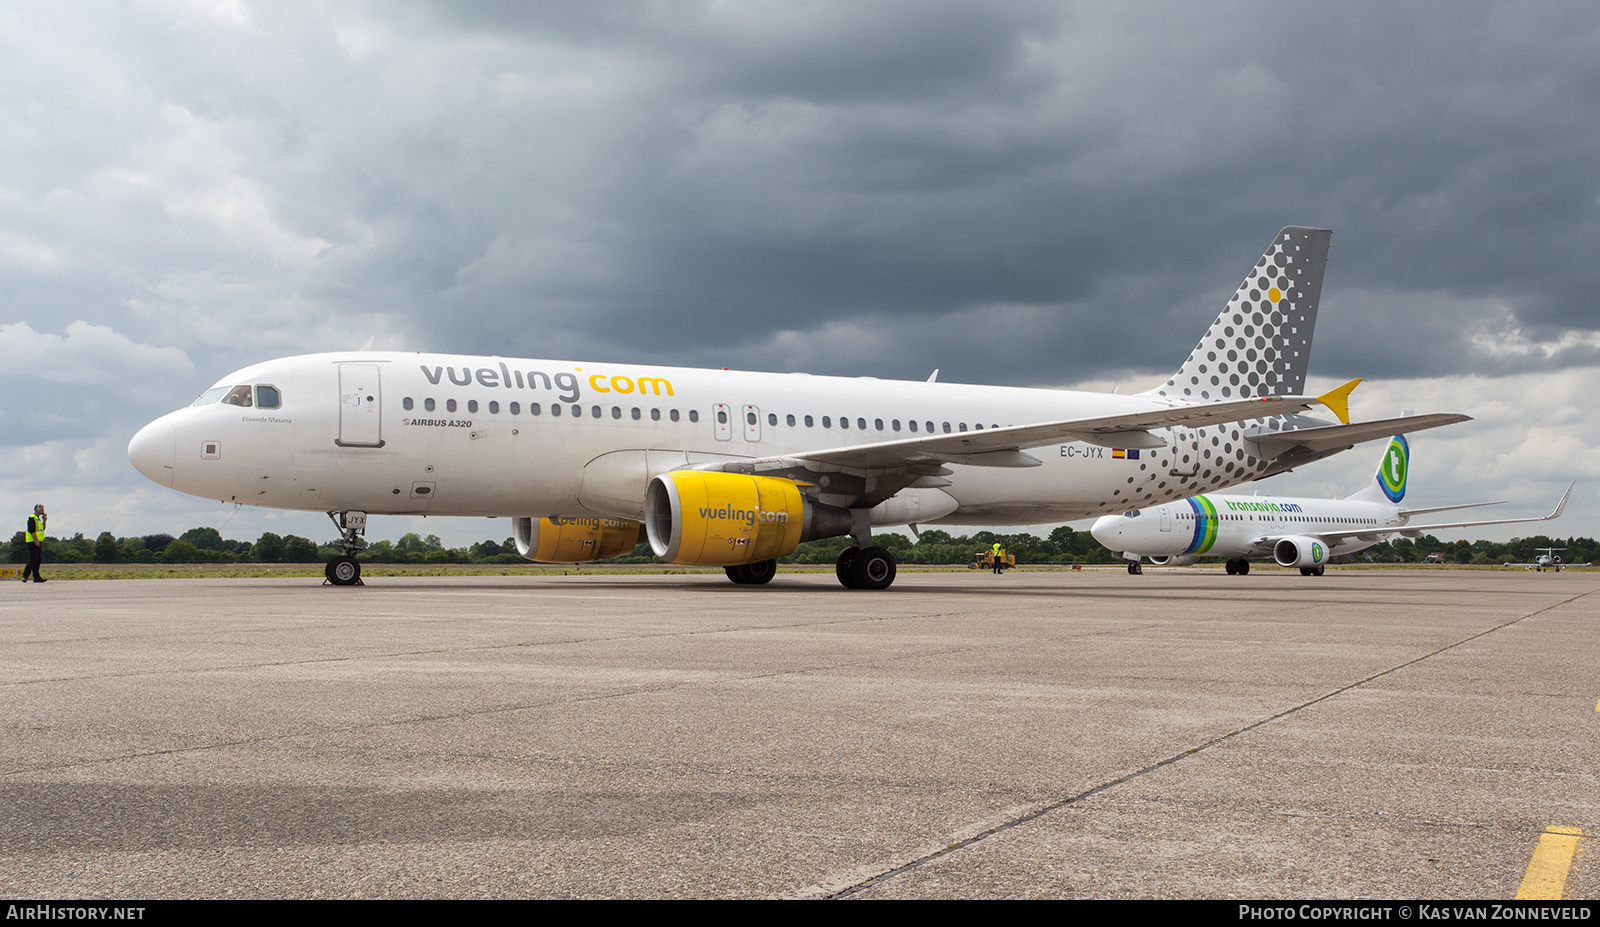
710 518
575 540
1300 551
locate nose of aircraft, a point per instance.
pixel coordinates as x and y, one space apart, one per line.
153 449
1105 530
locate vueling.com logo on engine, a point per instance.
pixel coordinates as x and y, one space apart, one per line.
749 516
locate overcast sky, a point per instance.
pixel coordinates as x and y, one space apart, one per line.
839 188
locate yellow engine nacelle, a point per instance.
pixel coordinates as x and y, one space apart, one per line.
575 540
710 518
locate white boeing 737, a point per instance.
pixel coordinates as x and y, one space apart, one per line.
1294 532
735 469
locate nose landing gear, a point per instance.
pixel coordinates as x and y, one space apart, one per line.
345 570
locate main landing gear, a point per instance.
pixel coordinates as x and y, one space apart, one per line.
1312 571
753 574
1135 569
1239 566
345 570
865 568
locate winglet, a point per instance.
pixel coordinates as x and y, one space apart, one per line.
1562 505
1338 399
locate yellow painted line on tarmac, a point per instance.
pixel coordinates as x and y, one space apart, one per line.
1546 877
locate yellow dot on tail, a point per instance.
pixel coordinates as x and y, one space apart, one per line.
1274 294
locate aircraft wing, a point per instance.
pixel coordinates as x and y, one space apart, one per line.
1338 437
1002 447
1560 507
1377 533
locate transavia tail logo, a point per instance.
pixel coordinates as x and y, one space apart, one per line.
1205 525
1392 472
1316 552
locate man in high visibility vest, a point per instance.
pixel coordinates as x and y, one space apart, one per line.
999 557
34 538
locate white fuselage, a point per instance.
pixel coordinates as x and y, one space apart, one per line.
1243 526
394 433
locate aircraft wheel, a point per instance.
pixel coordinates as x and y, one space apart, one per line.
343 571
1231 566
1135 570
1305 571
873 568
753 574
845 567
1244 567
1318 570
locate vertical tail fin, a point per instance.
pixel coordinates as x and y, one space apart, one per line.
1389 483
1260 344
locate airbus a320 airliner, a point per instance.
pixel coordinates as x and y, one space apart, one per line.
1295 532
736 469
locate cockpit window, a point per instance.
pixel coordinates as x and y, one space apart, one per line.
238 396
1132 514
267 397
211 395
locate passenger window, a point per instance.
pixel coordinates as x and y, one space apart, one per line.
913 424
533 408
962 426
827 422
494 408
844 422
655 415
861 423
472 405
749 418
407 403
616 411
895 424
427 404
694 415
449 405
238 396
577 411
930 428
808 422
637 414
267 397
947 428
516 408
722 417
554 409
595 411
772 418
878 424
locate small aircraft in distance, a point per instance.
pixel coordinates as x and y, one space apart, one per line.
736 469
1294 532
1547 561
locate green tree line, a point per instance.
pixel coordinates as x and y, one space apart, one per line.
1063 545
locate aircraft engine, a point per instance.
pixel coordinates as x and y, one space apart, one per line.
575 540
1300 551
711 518
1173 560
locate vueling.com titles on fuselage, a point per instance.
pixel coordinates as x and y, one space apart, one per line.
506 378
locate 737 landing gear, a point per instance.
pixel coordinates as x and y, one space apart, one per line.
1135 569
345 570
1312 571
1238 566
753 574
865 568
